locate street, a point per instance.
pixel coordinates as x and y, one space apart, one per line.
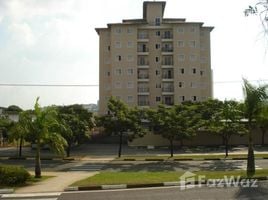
171 193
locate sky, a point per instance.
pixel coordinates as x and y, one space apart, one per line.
54 42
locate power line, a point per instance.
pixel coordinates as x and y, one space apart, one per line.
45 85
96 85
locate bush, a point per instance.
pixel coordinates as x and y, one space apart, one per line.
13 175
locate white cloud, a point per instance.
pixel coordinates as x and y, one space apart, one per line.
21 34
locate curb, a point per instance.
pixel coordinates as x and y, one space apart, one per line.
31 195
188 159
32 158
147 185
6 191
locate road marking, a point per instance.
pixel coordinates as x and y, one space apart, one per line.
87 167
36 196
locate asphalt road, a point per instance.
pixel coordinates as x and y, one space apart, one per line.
61 165
172 193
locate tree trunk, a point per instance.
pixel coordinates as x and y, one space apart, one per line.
20 151
37 161
171 147
226 141
68 150
263 134
250 159
181 143
120 144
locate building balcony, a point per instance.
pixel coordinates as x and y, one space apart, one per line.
144 64
167 63
168 50
143 103
143 77
143 38
143 90
143 51
168 89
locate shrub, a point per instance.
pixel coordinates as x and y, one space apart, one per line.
13 175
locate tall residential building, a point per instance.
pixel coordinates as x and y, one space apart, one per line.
154 60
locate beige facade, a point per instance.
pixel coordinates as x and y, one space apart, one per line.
154 60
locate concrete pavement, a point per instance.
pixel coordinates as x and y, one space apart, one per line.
55 184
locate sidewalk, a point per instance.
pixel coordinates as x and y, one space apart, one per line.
56 184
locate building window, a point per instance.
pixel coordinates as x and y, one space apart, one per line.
118 58
157 21
117 85
156 59
192 57
192 29
181 70
181 84
180 43
192 44
130 71
180 30
181 57
129 99
158 85
194 98
202 72
129 30
130 84
157 33
202 47
130 58
118 30
157 46
118 71
157 72
194 70
181 98
157 99
202 33
109 48
117 44
129 44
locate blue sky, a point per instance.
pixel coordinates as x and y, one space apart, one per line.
54 42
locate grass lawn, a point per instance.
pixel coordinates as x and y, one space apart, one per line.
214 156
110 178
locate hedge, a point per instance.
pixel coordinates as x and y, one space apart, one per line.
13 175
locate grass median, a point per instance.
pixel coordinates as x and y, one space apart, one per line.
114 178
194 157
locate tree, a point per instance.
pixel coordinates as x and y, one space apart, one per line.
254 97
172 123
261 9
21 129
5 125
227 122
76 124
121 121
43 131
13 108
262 121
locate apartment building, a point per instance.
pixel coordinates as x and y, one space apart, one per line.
154 60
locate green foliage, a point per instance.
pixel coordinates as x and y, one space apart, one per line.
13 108
254 98
13 175
122 120
76 124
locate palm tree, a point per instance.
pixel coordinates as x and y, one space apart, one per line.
254 97
44 126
